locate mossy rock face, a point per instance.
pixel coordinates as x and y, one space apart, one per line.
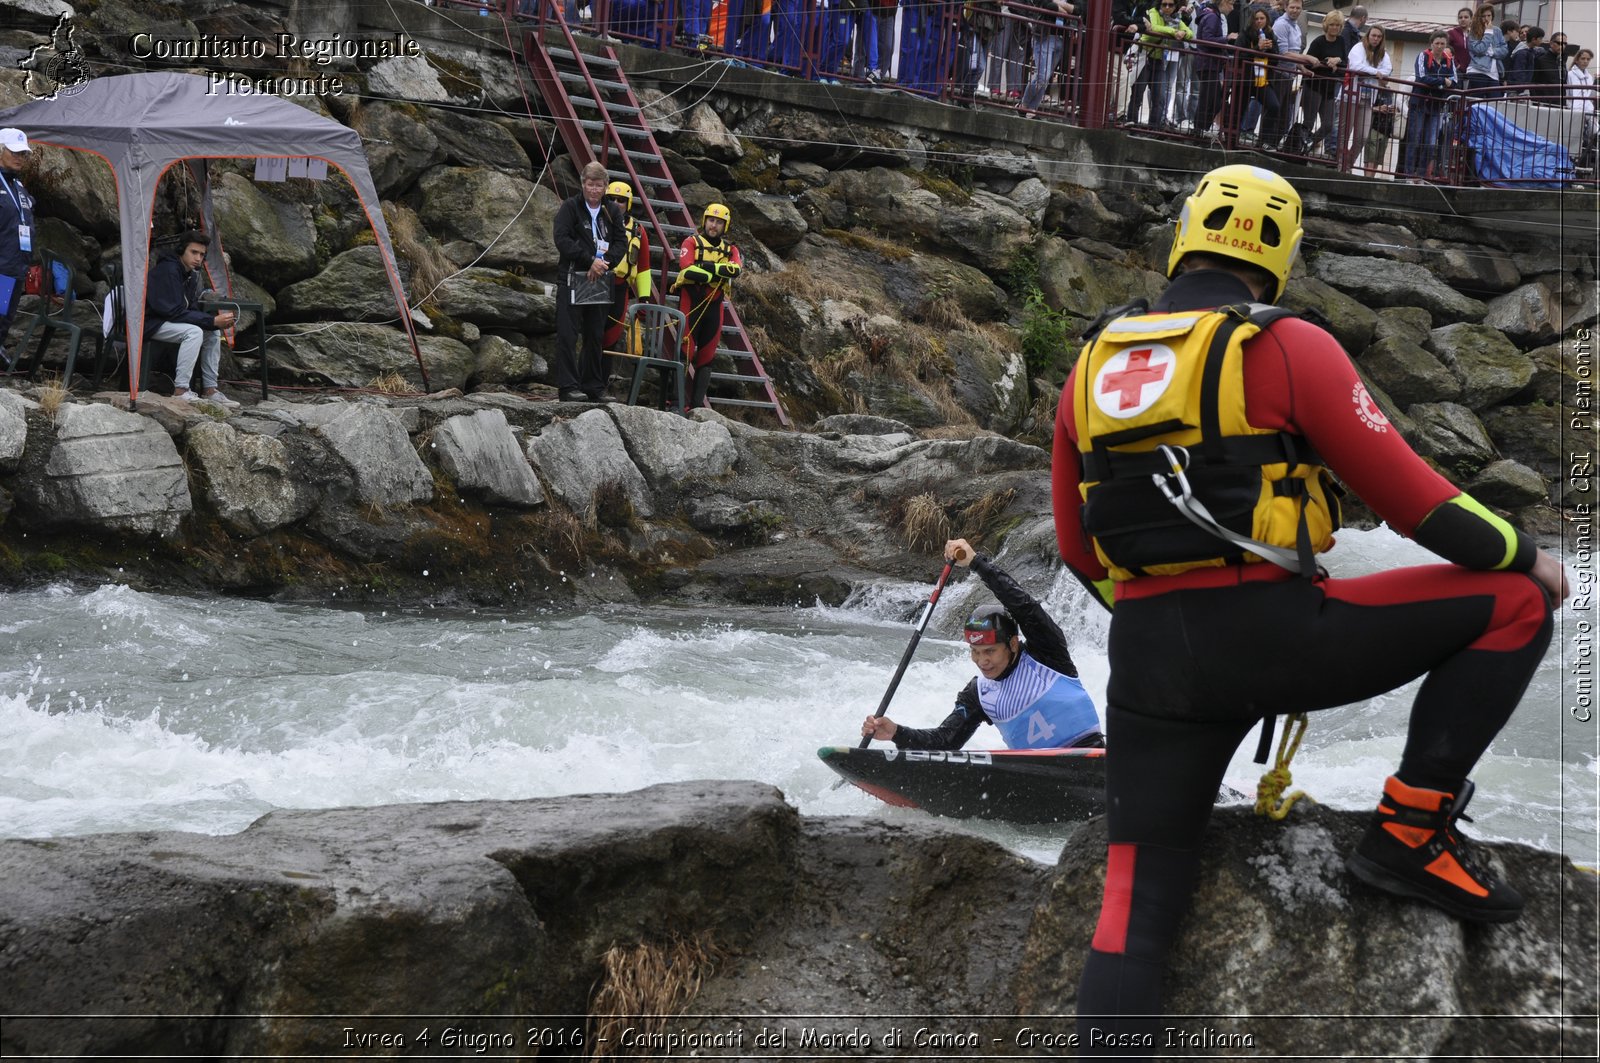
1352 323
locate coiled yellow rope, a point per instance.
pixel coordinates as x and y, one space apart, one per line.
1269 791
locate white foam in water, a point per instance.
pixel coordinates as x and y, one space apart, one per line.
129 711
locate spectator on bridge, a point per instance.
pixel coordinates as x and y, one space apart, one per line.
1370 62
1008 53
1436 76
1292 60
1458 38
1048 44
1212 61
1548 72
1487 52
1164 30
1519 67
1321 86
883 42
1255 82
1580 85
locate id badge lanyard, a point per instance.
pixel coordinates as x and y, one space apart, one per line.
24 230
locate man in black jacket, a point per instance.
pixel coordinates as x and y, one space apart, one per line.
591 238
173 314
16 227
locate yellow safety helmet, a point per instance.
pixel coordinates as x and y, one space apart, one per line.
1245 213
621 190
717 210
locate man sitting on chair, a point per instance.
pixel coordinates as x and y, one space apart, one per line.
172 314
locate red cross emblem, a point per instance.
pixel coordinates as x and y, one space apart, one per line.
1121 387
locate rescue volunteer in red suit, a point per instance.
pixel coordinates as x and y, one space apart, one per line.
707 263
1208 636
632 271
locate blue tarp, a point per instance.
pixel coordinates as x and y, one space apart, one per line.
1507 154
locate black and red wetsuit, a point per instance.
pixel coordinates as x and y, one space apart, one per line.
1199 657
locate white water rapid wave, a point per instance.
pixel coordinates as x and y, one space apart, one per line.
127 711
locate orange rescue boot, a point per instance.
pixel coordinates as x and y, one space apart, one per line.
1412 850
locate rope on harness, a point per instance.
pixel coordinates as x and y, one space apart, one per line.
1269 791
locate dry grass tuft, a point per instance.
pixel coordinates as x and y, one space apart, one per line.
562 536
612 507
980 513
391 384
429 266
50 395
642 986
944 313
923 523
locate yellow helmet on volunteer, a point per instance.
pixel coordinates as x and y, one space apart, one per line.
1245 213
717 210
620 190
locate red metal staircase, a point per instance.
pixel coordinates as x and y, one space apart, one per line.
600 119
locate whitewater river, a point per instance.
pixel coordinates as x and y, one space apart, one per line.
128 711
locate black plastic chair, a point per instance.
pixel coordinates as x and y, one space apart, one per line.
59 279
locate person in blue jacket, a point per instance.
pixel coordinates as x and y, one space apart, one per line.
16 228
1029 690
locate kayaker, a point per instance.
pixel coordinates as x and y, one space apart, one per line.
1030 690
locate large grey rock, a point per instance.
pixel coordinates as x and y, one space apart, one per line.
466 209
13 427
353 355
1411 323
469 141
480 453
501 362
1083 285
1376 238
110 470
250 482
354 286
1030 198
1489 367
579 457
1485 270
1382 282
372 441
1455 988
986 231
1529 316
773 220
496 298
1409 373
669 449
1078 211
78 187
1352 323
1508 484
405 77
703 135
400 145
1451 435
266 237
989 383
452 910
860 424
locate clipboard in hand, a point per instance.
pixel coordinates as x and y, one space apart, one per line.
586 292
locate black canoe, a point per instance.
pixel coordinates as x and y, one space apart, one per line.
1012 785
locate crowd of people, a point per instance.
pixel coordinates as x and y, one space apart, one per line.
1261 73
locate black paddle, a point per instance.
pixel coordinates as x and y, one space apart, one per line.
916 637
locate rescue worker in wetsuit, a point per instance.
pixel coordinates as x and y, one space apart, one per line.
1029 690
631 273
1208 636
707 263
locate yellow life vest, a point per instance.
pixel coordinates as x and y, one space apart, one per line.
1160 408
630 268
708 254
